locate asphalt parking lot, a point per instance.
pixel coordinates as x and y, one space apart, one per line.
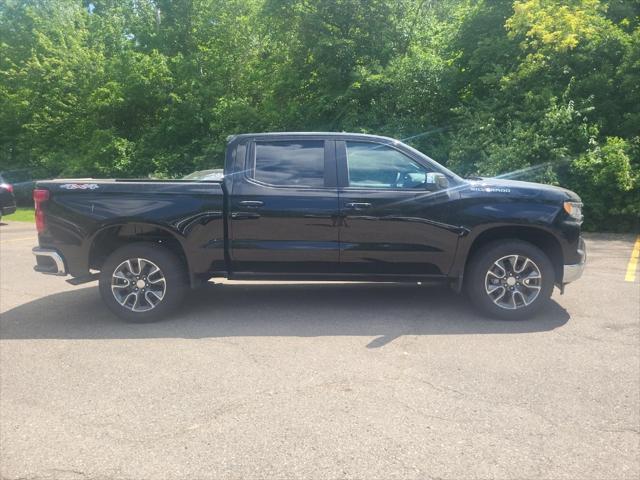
259 380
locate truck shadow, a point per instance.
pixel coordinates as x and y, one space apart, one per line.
383 311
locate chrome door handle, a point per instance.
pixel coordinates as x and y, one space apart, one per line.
251 203
357 205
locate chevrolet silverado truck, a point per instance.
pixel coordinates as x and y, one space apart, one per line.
312 206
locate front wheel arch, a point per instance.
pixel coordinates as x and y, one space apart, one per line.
539 237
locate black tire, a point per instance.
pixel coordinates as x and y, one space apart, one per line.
171 269
477 274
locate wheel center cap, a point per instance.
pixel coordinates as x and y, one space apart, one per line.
141 284
511 281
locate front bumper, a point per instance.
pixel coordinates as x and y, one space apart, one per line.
573 272
49 261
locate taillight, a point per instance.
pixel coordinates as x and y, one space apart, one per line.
39 197
7 186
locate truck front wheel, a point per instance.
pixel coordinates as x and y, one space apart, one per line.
143 282
509 279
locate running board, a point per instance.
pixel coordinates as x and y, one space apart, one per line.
84 279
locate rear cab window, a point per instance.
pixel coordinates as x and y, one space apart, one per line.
289 163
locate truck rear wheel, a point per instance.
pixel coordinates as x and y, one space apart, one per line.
509 279
143 282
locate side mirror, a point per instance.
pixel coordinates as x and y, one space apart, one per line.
437 181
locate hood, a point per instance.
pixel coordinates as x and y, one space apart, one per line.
517 187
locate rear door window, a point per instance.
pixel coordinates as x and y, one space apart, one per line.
290 163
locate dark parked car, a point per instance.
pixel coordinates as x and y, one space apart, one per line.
7 198
312 206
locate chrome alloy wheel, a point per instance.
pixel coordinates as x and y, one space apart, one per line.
138 284
513 282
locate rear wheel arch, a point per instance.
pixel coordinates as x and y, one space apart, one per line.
110 238
536 236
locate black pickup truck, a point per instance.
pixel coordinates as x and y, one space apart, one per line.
312 206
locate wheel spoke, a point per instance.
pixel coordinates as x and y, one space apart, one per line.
126 298
158 298
121 276
491 272
142 264
513 301
501 296
523 267
136 302
156 281
501 274
519 294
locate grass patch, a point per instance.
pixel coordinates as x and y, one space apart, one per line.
22 214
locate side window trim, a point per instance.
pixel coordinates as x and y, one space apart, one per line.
330 167
329 164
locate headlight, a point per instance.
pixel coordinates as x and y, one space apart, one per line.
574 209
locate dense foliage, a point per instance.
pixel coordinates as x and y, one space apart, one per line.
547 89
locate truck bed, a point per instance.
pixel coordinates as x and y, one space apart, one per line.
82 213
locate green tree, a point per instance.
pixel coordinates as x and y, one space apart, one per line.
543 90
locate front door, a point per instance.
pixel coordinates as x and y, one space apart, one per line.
392 213
284 210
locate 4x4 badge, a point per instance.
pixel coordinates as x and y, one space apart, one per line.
79 186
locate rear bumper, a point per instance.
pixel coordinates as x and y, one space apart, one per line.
8 210
573 272
49 261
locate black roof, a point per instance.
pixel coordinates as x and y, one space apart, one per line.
345 135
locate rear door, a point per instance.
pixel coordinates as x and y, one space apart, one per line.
284 209
393 214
